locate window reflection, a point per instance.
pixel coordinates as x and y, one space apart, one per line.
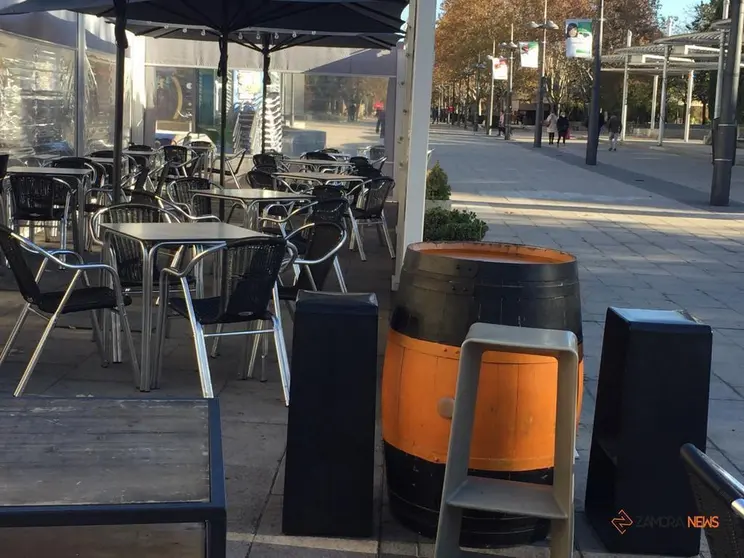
37 96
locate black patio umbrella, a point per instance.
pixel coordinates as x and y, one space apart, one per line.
224 17
267 42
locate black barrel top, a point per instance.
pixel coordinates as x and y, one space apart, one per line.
446 287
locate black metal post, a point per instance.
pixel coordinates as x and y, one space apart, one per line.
508 115
121 47
592 142
222 73
724 145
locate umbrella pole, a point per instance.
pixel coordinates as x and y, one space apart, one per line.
121 48
223 117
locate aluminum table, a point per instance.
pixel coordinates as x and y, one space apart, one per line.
250 198
152 237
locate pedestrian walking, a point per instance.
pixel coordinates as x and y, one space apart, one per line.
502 125
552 123
562 125
614 127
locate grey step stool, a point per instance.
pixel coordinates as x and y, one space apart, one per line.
460 491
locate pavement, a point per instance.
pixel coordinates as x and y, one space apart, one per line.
638 243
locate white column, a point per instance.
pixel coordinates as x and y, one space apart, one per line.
404 69
688 105
422 17
624 116
654 101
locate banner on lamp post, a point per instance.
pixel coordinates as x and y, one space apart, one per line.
528 53
578 38
500 69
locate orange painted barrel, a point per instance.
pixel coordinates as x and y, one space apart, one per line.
444 289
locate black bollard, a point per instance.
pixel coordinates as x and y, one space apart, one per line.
329 480
652 398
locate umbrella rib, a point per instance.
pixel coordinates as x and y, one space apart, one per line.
378 16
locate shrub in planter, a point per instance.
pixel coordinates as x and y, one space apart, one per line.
437 184
444 224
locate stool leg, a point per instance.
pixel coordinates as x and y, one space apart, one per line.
458 456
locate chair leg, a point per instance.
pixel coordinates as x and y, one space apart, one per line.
216 345
360 239
130 342
161 330
339 275
247 371
281 355
21 387
14 333
98 337
264 354
388 240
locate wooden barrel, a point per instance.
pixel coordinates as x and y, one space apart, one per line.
444 289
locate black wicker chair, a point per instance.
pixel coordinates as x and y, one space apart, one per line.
248 286
37 199
259 178
330 150
318 156
50 305
182 160
264 160
717 494
181 193
368 209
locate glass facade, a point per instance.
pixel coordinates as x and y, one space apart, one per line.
37 96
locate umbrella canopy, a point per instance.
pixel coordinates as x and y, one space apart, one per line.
225 16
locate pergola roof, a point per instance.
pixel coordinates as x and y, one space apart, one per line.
709 38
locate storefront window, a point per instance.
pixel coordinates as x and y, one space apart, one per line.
100 99
37 96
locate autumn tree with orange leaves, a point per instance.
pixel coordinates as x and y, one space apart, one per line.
467 29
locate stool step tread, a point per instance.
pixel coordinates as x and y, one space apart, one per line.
496 495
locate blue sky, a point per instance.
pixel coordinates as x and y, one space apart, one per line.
679 8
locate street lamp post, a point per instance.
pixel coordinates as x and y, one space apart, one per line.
545 25
592 143
511 46
490 103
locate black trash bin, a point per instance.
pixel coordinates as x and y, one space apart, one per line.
652 398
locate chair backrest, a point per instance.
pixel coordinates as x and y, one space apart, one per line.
103 154
359 161
330 150
717 494
99 171
164 173
252 271
379 163
201 144
38 196
264 160
176 153
4 159
179 191
329 210
136 147
376 152
369 172
374 194
319 156
260 179
327 192
322 239
25 278
128 253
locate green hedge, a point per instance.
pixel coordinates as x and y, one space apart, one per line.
437 184
444 224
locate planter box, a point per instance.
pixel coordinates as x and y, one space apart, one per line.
444 204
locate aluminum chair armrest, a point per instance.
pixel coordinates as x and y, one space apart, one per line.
283 220
331 253
190 266
72 253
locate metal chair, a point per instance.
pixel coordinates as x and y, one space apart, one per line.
368 209
717 494
37 199
50 305
318 156
180 192
264 160
248 286
182 160
259 178
232 165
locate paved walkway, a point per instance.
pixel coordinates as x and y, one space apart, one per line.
636 247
